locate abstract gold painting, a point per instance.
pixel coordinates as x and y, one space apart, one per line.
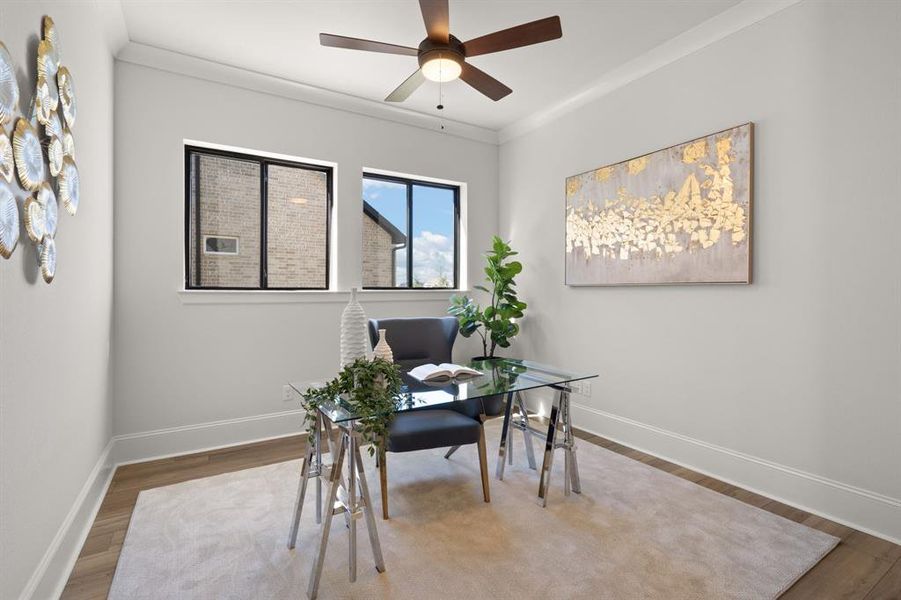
677 215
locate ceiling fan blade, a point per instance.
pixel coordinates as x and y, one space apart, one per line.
434 13
484 82
526 34
351 43
409 86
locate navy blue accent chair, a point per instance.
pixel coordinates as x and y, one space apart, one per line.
418 341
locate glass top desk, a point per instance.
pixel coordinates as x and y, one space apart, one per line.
499 377
505 378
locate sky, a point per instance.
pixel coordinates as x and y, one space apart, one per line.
433 226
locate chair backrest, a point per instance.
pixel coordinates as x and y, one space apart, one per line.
418 340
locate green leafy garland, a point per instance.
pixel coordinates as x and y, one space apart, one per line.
368 388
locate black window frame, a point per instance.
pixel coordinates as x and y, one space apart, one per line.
264 162
409 182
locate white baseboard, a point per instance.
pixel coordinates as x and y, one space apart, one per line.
174 441
51 574
50 577
864 510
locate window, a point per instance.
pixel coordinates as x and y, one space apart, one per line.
409 233
220 245
255 223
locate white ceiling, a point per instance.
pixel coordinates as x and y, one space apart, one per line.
281 38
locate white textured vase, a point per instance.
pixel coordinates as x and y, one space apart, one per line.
382 349
354 335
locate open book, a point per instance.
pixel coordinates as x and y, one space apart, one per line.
432 372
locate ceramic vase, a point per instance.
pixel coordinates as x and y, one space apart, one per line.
382 349
354 334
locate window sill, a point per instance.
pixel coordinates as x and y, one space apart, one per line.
311 296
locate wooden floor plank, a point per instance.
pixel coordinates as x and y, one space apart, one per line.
862 566
688 474
874 546
716 485
750 498
784 510
826 526
889 587
845 574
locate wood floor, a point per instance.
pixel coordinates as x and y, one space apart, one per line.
861 566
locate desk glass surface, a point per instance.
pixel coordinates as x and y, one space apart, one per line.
499 376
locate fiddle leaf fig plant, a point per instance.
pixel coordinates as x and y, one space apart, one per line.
368 388
496 323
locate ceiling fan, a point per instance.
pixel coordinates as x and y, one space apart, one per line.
442 57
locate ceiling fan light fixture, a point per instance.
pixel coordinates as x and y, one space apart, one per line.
442 68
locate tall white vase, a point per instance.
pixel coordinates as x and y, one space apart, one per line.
354 334
382 349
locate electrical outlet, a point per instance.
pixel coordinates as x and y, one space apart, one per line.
582 388
289 394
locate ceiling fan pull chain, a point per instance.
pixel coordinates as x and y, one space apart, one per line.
440 88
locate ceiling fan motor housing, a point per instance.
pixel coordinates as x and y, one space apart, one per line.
430 50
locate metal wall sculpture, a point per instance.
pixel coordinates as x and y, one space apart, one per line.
44 165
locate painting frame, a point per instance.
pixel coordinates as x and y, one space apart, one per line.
745 263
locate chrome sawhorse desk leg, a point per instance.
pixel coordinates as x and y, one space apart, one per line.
312 467
521 423
561 418
350 498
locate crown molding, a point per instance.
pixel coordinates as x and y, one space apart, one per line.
199 68
718 27
111 18
732 20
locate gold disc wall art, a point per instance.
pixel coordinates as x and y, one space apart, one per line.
22 152
47 250
43 105
54 125
68 143
55 155
50 33
9 221
9 87
67 95
69 186
35 219
7 162
48 65
29 155
47 199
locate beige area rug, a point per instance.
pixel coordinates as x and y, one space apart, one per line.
634 532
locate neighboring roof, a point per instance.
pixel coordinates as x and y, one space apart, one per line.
397 236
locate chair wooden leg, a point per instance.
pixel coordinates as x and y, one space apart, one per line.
483 465
383 480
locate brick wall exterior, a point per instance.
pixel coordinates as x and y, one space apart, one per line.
378 255
229 192
296 232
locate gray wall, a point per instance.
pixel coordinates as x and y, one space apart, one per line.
55 401
179 363
801 368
